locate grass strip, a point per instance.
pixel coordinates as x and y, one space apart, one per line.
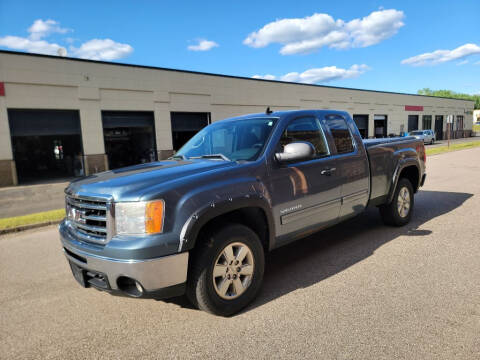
453 147
37 218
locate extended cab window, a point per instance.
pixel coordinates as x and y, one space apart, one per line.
306 129
341 135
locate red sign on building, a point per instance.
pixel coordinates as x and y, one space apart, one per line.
2 89
413 108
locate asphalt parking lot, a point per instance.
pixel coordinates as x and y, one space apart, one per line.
360 290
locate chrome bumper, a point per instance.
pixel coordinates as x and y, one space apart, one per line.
152 274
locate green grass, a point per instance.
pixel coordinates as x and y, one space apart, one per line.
476 128
13 222
453 147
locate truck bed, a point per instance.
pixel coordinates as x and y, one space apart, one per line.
384 156
386 141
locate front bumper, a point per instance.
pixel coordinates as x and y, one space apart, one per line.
158 277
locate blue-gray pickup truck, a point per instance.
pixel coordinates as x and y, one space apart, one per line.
201 222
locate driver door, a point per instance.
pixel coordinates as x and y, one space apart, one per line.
305 194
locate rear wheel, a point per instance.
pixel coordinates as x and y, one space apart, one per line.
227 271
399 211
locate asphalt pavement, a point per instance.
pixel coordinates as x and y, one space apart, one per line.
360 290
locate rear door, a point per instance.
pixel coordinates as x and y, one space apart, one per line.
351 162
304 194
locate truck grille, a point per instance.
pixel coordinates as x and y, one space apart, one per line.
88 217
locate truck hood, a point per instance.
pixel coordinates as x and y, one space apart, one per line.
130 183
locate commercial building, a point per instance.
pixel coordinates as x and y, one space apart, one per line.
63 117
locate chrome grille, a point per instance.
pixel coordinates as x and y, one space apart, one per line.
89 217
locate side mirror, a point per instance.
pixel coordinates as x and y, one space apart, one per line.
296 151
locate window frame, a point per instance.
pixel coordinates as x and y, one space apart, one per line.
322 133
327 128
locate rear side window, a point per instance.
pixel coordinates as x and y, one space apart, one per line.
341 134
306 129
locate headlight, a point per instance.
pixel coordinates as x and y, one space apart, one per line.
139 218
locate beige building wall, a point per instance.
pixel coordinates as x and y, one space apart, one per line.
43 82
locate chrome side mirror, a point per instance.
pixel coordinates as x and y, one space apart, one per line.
296 151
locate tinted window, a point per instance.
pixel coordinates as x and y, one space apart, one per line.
340 133
306 129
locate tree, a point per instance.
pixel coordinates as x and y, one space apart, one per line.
451 94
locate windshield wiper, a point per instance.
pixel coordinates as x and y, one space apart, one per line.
178 157
212 156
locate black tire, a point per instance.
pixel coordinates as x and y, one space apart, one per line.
200 287
390 213
432 142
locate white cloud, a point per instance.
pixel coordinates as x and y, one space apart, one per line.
203 45
32 46
95 49
265 77
41 28
442 56
305 35
319 75
102 49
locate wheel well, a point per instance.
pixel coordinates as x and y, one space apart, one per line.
411 173
252 217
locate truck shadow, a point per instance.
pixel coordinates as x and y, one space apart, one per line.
328 252
308 261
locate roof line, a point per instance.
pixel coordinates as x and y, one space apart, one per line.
213 74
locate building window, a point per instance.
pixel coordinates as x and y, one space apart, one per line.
427 122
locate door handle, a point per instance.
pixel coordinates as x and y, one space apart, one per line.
328 172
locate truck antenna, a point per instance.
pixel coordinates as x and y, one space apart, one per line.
268 111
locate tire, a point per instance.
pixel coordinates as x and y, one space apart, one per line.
432 142
394 213
219 295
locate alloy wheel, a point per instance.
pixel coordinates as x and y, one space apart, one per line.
233 271
403 202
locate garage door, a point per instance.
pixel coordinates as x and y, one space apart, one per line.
46 144
412 122
362 124
129 137
185 125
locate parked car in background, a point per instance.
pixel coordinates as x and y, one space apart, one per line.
428 136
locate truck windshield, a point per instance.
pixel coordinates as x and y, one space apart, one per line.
234 140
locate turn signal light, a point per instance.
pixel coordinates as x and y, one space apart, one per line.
154 213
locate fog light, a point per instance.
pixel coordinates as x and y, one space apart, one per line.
130 286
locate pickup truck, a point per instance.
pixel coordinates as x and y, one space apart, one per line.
201 222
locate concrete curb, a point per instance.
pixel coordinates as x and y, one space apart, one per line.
28 227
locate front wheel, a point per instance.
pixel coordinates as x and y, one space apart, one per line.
226 272
399 211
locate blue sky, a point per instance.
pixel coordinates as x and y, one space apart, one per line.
358 44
